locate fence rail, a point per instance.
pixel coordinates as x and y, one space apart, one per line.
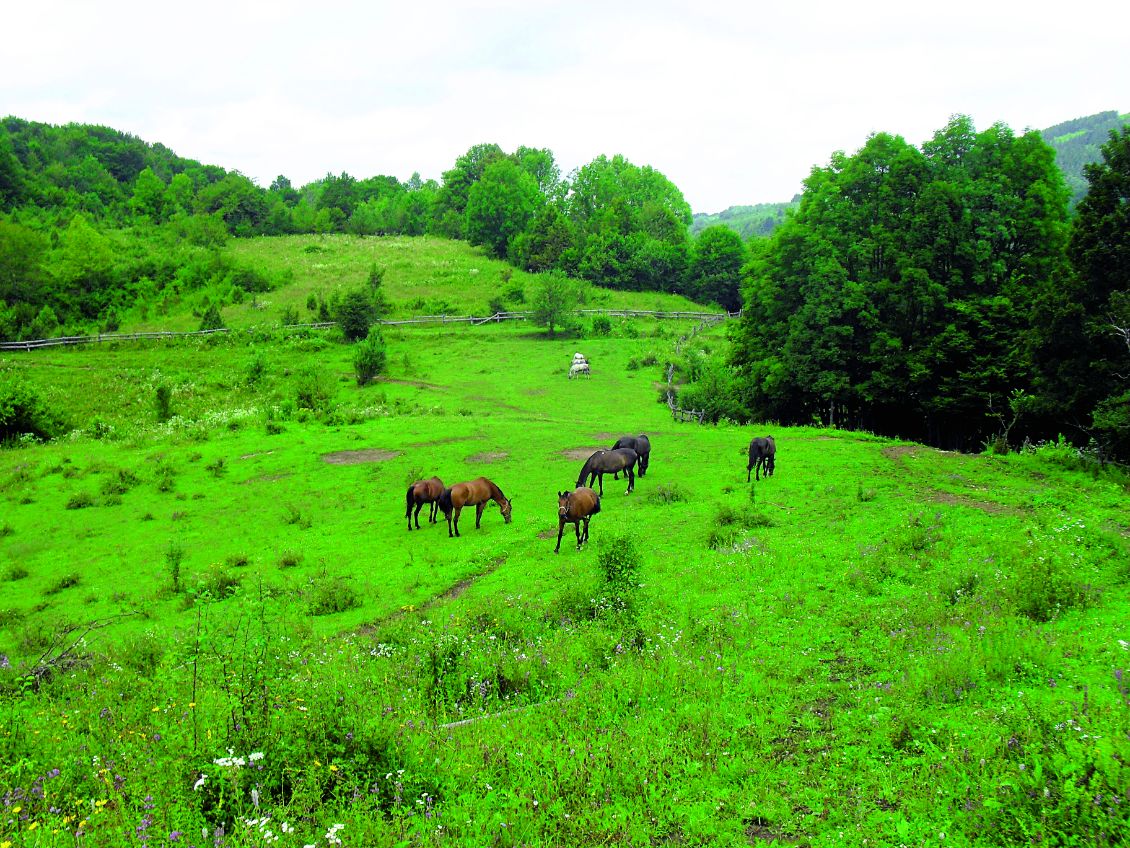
34 344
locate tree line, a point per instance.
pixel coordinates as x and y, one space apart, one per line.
92 219
943 294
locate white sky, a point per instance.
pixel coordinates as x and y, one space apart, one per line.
734 102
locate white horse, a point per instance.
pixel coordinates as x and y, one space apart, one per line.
579 368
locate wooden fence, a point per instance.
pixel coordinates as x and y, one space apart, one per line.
677 412
33 344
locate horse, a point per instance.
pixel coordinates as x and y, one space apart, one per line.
641 445
474 493
762 454
424 492
579 368
607 462
574 507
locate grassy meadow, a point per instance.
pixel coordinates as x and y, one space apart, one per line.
217 630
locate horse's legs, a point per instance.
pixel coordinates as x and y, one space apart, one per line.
578 526
631 481
419 504
600 477
560 533
409 517
479 513
454 514
433 512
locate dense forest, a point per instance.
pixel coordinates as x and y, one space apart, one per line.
944 294
948 293
748 222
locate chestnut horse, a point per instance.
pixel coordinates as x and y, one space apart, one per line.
574 507
608 462
424 492
762 454
474 493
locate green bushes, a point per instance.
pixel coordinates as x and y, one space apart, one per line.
23 413
370 357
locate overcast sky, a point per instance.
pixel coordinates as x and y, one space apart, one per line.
734 102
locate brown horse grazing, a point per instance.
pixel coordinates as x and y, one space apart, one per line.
424 492
574 507
762 454
474 493
608 462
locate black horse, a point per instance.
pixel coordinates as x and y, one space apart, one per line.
641 445
609 462
762 454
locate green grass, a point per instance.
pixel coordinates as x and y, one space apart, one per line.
880 644
423 276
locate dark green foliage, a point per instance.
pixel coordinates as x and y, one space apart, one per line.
370 357
67 581
619 560
211 319
174 558
748 222
80 500
23 412
554 302
716 267
667 493
163 398
314 389
601 325
900 296
355 313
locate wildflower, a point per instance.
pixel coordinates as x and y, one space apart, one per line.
175 836
255 756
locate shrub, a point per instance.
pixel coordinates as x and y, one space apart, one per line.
22 412
217 582
289 316
174 557
67 581
619 561
289 559
354 314
80 500
120 482
370 358
211 319
217 468
314 389
293 515
601 325
665 494
329 595
163 400
142 653
16 572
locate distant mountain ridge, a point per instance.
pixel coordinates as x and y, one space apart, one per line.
1077 143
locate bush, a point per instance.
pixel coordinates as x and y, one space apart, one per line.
164 402
354 314
370 358
329 595
80 500
22 412
665 494
619 561
601 325
211 319
314 389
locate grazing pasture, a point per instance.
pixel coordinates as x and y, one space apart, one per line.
216 626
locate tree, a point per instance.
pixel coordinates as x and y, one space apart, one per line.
1082 348
354 314
716 266
149 196
554 302
900 295
500 205
451 202
370 357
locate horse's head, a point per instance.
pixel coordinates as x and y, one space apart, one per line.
563 503
506 507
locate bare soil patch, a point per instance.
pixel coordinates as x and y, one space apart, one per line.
267 478
446 441
582 453
356 457
488 457
256 453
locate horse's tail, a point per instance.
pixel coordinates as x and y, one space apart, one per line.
596 507
445 502
410 499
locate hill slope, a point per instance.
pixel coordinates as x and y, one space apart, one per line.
1077 143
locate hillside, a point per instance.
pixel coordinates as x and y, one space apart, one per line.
1077 143
230 621
747 221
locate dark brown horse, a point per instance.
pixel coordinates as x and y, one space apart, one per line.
573 507
762 454
641 445
424 492
474 493
608 462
